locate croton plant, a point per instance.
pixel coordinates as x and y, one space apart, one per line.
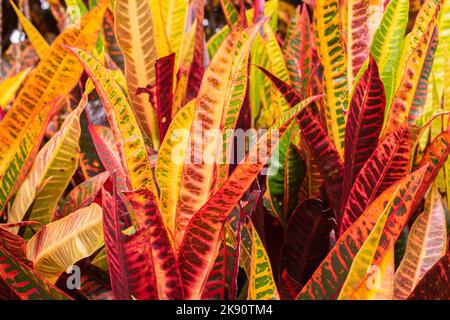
297 152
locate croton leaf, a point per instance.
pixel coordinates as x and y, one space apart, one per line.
216 93
170 162
196 254
261 282
239 239
9 87
364 124
387 164
404 95
23 283
141 265
114 225
306 241
330 48
197 69
14 244
83 194
50 174
147 215
160 93
37 40
328 159
94 283
106 148
111 45
313 179
387 43
140 270
427 243
338 262
420 95
129 139
62 243
424 19
322 148
431 286
299 49
286 173
434 158
174 17
58 72
353 287
358 37
215 286
235 100
136 37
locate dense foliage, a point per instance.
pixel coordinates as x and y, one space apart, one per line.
296 152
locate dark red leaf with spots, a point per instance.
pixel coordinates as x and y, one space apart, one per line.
364 124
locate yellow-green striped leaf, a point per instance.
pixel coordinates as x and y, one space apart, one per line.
64 242
50 174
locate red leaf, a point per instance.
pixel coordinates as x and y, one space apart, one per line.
328 159
161 93
141 274
95 283
364 124
21 282
299 50
14 244
435 156
325 153
197 66
107 151
328 279
435 284
113 226
290 94
387 165
163 259
216 284
306 241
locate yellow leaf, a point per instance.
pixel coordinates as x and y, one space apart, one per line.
136 37
170 162
262 284
52 79
8 87
37 40
414 55
64 242
162 46
330 48
174 17
51 172
215 97
129 139
358 283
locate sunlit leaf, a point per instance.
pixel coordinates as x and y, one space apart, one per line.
50 174
20 129
427 243
62 243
